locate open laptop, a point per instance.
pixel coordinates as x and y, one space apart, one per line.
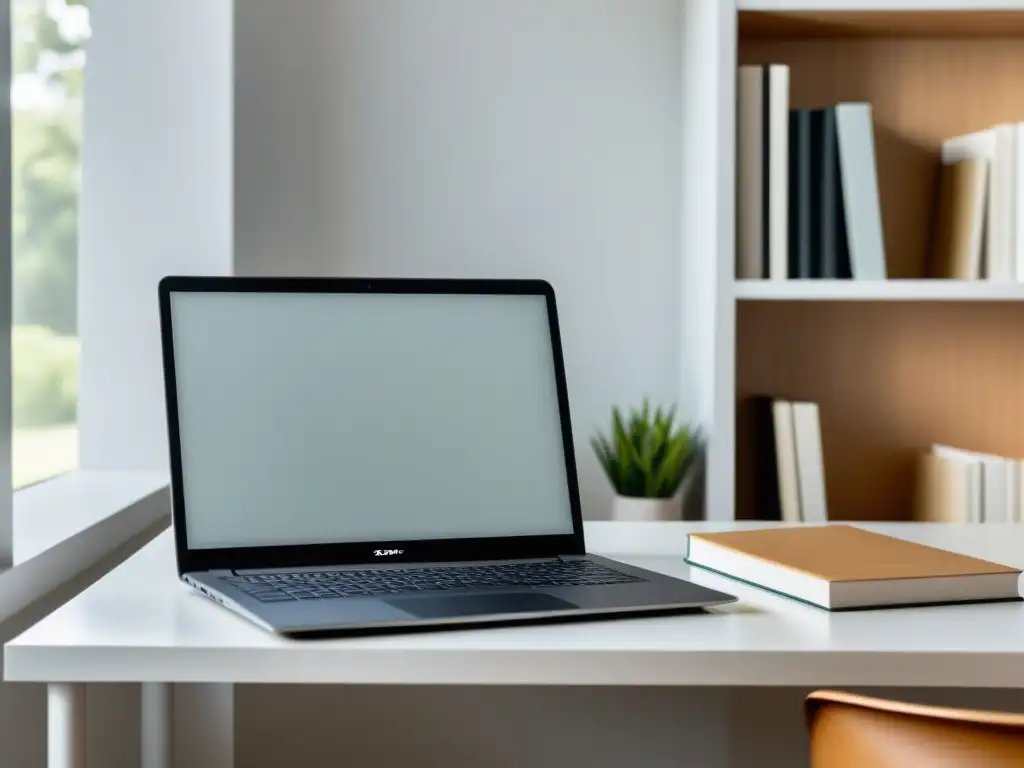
356 455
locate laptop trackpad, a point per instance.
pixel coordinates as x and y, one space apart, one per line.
481 605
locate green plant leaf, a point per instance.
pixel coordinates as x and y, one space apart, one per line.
625 454
645 454
674 458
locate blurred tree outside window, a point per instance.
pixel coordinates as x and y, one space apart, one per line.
48 40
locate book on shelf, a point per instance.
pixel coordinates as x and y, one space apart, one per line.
960 219
840 567
763 168
802 198
859 188
807 201
960 486
790 475
980 201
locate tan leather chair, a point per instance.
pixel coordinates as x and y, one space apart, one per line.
851 731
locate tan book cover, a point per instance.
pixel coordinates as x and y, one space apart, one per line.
960 220
841 553
943 490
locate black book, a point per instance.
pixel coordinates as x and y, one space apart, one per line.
831 218
766 480
801 197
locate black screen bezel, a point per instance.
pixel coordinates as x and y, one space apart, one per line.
356 553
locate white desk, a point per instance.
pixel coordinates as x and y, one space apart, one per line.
139 624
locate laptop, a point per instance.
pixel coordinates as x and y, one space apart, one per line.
375 455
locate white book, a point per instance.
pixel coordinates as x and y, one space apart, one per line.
859 184
995 483
975 489
994 479
750 186
786 462
810 463
1018 510
975 512
777 161
981 145
1003 265
1013 490
1018 203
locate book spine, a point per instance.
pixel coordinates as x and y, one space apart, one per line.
1018 202
1001 267
750 254
845 262
801 262
829 197
810 462
861 204
769 504
766 171
785 456
777 171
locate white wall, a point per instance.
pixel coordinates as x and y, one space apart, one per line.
478 138
156 199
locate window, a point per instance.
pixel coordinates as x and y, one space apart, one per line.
48 38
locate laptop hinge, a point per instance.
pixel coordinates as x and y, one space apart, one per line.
570 558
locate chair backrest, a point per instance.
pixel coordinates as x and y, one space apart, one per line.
851 731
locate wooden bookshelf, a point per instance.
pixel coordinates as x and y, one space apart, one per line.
900 364
922 91
890 378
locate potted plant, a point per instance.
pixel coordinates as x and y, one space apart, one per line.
647 458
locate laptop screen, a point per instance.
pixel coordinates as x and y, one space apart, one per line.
321 418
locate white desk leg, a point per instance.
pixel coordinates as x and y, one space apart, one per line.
65 725
156 725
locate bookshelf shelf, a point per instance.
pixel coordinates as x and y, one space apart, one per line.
901 7
882 290
894 365
954 22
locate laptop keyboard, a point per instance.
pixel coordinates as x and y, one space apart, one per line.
321 585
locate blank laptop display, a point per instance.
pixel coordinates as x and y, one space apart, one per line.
353 417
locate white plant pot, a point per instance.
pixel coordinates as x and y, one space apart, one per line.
633 510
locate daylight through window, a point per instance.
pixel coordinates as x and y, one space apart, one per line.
46 99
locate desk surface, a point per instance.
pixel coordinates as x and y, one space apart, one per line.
139 623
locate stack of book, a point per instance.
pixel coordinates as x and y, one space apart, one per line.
807 186
958 486
791 470
980 201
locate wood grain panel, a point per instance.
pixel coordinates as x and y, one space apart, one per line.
807 24
923 91
890 378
